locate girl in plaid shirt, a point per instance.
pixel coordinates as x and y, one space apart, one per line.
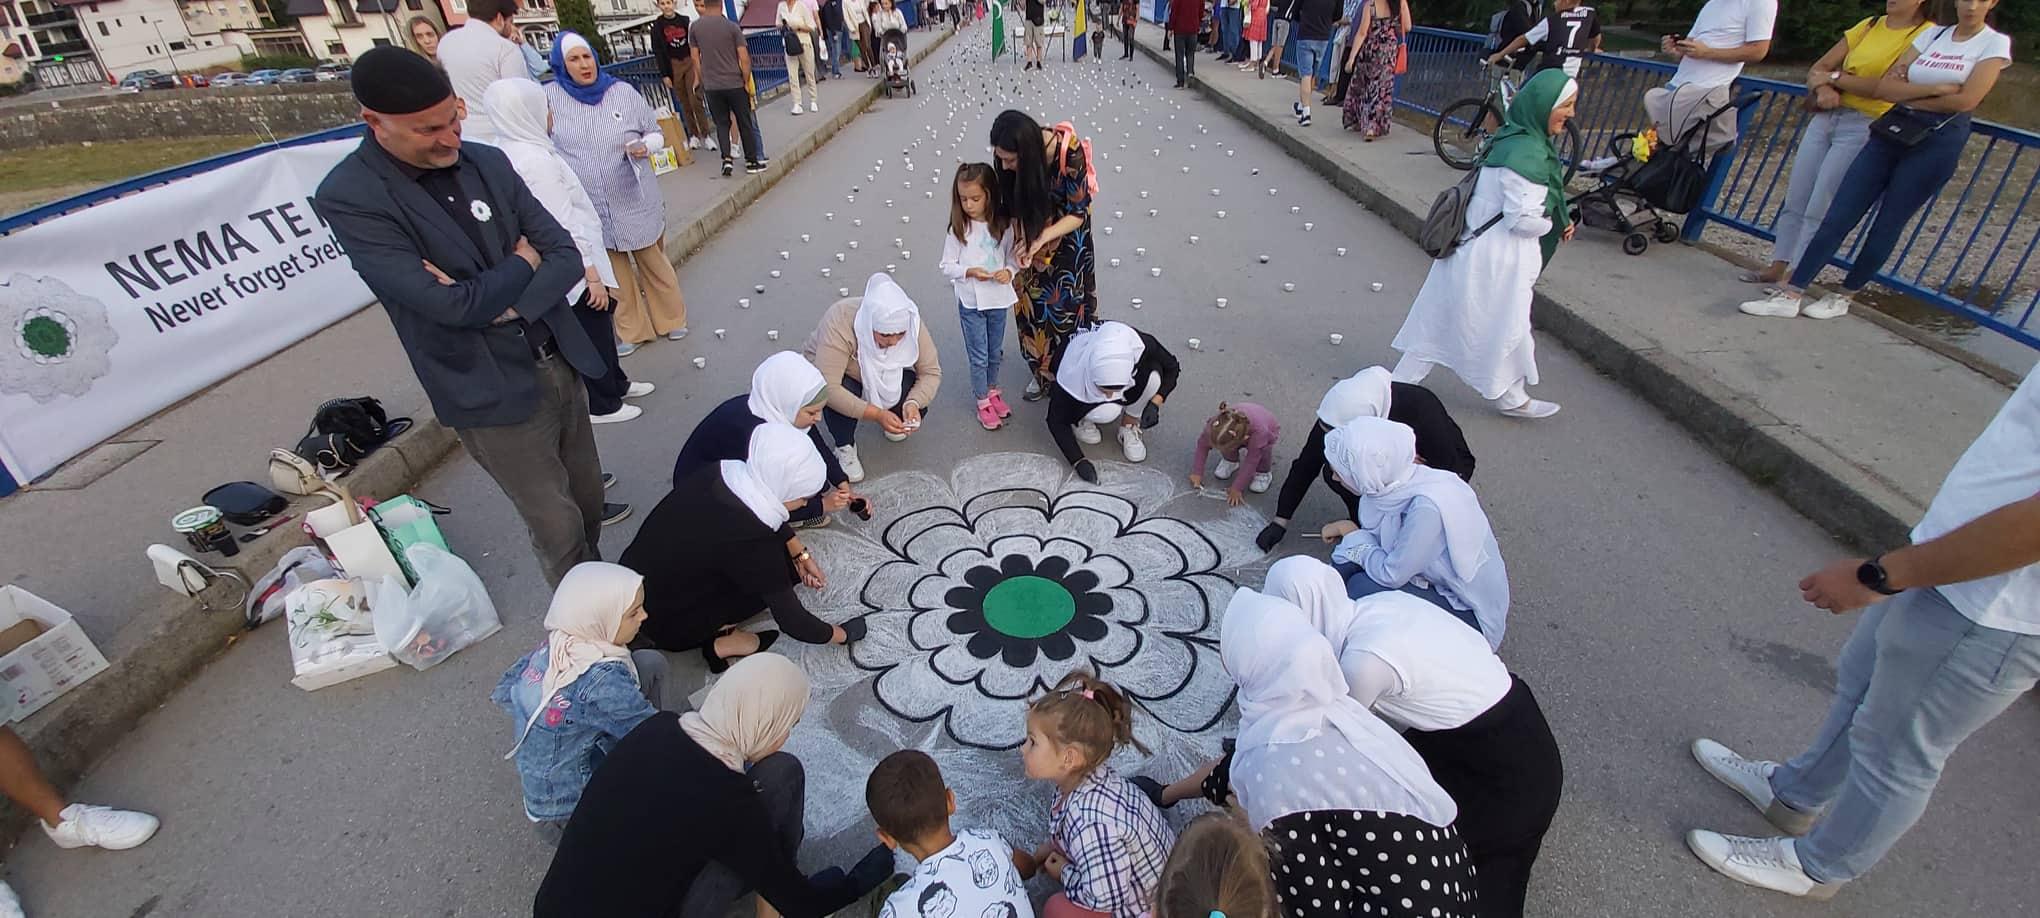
1107 842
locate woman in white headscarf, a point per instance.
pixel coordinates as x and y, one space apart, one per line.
1369 393
1478 728
524 123
785 389
580 690
875 353
1109 372
1416 529
717 552
689 813
1356 821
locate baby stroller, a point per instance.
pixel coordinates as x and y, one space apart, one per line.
892 56
1634 195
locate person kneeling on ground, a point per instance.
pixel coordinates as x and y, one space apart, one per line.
785 389
580 691
1111 371
690 812
718 551
965 874
880 364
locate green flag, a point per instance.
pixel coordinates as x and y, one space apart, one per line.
998 29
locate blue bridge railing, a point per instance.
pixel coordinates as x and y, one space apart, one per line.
1968 252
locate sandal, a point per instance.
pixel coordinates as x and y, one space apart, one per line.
719 665
1757 277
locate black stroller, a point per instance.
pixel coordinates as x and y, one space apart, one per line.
892 57
1633 197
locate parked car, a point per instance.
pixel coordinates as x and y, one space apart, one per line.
196 80
147 79
265 77
298 75
230 78
329 72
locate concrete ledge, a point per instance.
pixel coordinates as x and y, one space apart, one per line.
1847 501
173 637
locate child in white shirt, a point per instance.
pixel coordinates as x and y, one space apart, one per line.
977 257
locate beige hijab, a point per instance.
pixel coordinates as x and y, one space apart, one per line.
750 710
581 627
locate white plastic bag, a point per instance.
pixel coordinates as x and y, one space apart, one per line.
448 610
296 568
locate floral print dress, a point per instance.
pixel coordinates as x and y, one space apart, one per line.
1059 292
1370 100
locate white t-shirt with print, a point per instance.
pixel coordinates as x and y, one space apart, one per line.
972 878
1944 60
2001 467
1725 24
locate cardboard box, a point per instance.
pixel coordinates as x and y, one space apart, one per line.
363 555
676 140
49 664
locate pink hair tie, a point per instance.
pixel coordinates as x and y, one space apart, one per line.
1088 696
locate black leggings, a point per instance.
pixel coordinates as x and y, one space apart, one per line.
605 393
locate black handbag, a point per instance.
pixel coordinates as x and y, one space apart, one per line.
1672 181
1907 126
793 46
245 503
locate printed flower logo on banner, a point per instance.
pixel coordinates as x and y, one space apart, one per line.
57 341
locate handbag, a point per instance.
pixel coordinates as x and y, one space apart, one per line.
1907 126
1402 58
793 46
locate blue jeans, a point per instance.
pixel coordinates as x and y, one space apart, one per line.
843 428
1231 23
1358 584
1914 680
839 48
984 342
1899 180
1310 58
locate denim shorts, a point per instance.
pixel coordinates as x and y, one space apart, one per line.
1309 54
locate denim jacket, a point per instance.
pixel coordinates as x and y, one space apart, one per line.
580 724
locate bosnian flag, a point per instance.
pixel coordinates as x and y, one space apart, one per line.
998 29
1077 45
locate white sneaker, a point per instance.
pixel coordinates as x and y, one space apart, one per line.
846 456
678 334
1226 467
708 143
1533 409
1597 164
639 390
1832 306
620 415
10 904
796 108
693 143
1780 305
1130 443
1768 863
1087 433
1261 483
1752 779
80 825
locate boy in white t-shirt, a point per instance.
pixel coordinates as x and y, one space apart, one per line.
968 874
1726 35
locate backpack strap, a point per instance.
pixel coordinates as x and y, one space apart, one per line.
1066 136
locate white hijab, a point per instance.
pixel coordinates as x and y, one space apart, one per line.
885 310
1291 691
1378 459
1365 394
750 710
581 625
780 465
1104 356
783 385
1316 590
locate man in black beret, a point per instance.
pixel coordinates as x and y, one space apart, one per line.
474 274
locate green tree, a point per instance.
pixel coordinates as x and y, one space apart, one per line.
579 16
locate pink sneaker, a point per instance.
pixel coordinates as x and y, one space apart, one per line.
999 403
988 416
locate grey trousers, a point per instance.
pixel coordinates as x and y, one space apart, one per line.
548 467
653 672
782 784
1826 149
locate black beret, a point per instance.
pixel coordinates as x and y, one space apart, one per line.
397 81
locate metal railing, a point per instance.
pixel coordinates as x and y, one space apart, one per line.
1967 252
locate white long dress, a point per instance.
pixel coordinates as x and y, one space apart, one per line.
1473 314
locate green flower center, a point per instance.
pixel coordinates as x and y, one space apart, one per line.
1029 607
46 336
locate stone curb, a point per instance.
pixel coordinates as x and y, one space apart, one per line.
173 638
1850 503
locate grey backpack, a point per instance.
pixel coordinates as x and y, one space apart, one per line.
1444 229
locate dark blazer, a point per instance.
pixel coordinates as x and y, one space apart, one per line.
477 373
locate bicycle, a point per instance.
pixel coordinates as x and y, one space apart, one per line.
1466 127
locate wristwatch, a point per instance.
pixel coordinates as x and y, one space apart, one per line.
1871 574
806 554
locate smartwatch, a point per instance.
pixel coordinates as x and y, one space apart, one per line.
1871 574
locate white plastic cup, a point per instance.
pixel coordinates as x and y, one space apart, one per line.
760 288
804 237
773 335
785 255
1376 286
1264 259
842 291
722 333
1307 227
1337 338
1115 262
1136 302
1156 272
744 302
1221 215
700 362
1295 208
1342 251
1221 302
1195 345
839 257
1193 240
1214 192
1288 288
1140 250
775 273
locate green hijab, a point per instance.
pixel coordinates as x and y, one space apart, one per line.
1523 146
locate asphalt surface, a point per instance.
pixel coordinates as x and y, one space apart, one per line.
1654 587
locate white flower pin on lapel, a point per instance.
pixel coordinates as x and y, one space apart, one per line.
480 209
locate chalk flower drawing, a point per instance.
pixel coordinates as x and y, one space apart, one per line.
53 340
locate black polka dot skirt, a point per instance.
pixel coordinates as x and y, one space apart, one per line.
1337 864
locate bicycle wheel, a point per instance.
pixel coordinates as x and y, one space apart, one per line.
1461 134
1572 151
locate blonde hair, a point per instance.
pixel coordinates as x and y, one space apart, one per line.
1229 428
1218 866
1087 712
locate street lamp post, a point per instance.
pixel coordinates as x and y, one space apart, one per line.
166 47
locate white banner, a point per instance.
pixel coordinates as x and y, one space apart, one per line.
113 313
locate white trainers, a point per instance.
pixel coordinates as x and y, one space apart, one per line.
1767 863
693 143
1261 483
10 904
1533 409
639 390
1832 306
1087 433
846 456
796 108
1780 305
80 826
1225 470
620 415
1752 779
1597 164
1130 443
